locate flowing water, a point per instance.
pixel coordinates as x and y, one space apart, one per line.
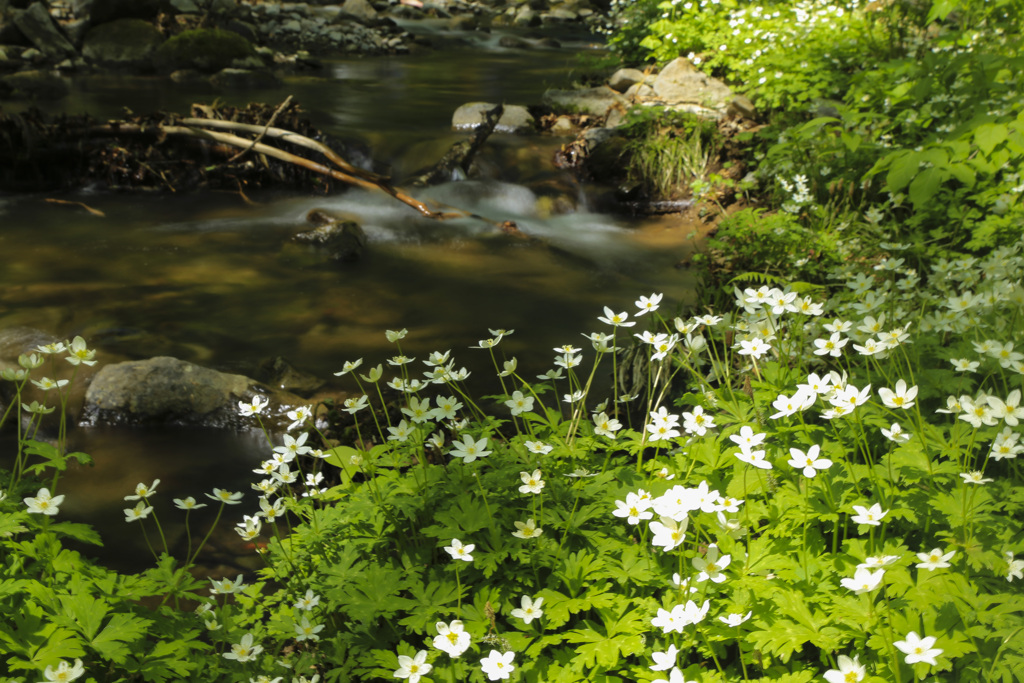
213 279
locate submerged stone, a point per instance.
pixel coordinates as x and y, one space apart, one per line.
514 118
165 390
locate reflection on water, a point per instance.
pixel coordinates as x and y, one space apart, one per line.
221 277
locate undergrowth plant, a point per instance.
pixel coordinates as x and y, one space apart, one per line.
810 486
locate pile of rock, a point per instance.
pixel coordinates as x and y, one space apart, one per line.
50 37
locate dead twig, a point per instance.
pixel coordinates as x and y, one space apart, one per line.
258 138
94 212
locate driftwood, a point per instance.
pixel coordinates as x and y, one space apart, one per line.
195 131
460 155
75 150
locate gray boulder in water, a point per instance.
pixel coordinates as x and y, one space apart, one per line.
168 391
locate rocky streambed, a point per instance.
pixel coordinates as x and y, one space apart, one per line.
241 43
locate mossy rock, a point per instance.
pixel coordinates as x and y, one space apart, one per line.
203 49
125 41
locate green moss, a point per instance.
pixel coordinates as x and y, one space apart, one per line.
203 49
122 41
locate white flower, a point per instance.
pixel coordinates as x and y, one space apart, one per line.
849 671
615 319
527 530
254 408
1010 411
226 497
44 503
896 434
226 586
934 560
747 439
78 354
801 400
634 508
647 304
498 666
244 650
349 366
877 561
307 601
863 580
680 616
901 398
304 630
918 649
735 620
755 458
663 661
413 668
140 511
668 533
830 347
755 348
519 403
299 416
188 503
452 638
809 462
711 566
468 449
459 551
675 676
530 609
871 516
1015 570
538 447
532 483
698 422
64 672
974 478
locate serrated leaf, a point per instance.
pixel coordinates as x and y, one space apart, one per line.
122 629
84 613
79 532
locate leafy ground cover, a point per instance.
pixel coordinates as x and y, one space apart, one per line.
813 476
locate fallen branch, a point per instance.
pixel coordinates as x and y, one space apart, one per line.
276 153
273 117
94 212
460 155
287 136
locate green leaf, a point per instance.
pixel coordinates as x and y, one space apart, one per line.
79 532
925 186
122 630
903 169
988 135
84 613
941 9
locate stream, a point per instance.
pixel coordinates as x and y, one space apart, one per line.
213 279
